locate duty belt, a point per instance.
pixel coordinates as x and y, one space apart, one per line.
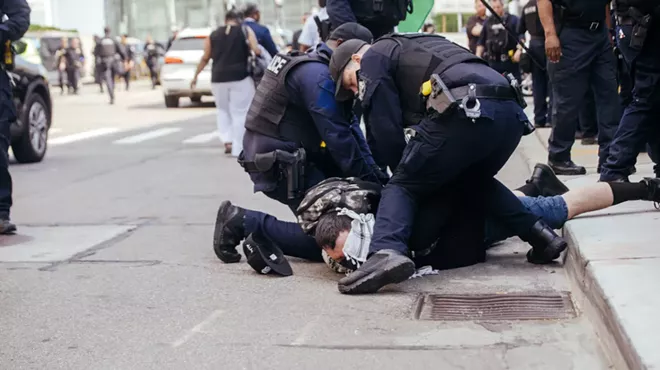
291 166
585 25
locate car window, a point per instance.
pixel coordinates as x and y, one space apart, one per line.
191 43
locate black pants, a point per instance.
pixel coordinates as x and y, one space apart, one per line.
540 83
108 78
72 75
443 151
7 116
587 62
153 72
127 77
589 116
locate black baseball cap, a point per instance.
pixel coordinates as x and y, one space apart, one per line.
340 59
266 258
352 30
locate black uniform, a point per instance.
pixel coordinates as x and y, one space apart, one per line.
129 56
73 59
587 62
499 45
445 149
638 37
530 22
380 17
106 52
18 14
153 51
59 62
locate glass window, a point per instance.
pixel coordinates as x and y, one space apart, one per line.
188 44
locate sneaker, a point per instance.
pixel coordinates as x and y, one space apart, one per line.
229 232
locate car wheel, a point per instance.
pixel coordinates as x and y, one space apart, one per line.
171 101
31 146
196 99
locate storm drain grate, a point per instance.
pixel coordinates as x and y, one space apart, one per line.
485 307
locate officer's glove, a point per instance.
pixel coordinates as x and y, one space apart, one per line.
382 176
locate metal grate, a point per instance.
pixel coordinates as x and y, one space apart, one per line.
485 307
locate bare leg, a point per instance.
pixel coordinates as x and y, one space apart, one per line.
590 198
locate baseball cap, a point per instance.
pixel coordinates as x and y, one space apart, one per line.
340 59
352 30
266 258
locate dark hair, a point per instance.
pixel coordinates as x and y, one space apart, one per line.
427 26
329 227
233 15
106 30
322 3
250 9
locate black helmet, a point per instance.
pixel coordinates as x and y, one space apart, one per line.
266 258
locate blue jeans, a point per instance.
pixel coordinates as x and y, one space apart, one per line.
552 210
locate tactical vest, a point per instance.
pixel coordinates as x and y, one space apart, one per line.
498 38
108 48
330 194
420 56
387 13
271 102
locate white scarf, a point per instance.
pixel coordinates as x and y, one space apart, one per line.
356 247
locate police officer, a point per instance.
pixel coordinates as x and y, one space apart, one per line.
74 59
294 115
499 46
638 37
12 29
463 131
380 17
530 22
98 73
106 52
580 57
129 60
152 52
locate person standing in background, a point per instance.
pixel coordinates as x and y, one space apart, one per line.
98 73
474 25
295 44
107 51
233 89
152 51
311 34
252 17
73 60
60 62
129 61
497 46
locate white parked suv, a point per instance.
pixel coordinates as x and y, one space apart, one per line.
180 65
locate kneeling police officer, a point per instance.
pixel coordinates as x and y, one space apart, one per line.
296 136
463 120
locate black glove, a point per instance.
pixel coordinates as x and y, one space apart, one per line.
382 176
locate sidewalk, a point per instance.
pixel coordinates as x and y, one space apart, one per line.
614 261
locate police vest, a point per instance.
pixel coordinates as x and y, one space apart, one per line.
271 102
108 48
498 38
325 197
384 12
420 56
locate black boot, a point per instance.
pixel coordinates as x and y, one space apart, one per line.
6 227
546 244
546 181
567 168
653 188
382 268
229 232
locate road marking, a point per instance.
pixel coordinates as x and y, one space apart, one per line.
81 136
201 139
197 328
147 135
54 130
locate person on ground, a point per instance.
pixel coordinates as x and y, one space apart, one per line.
446 143
543 194
233 89
293 122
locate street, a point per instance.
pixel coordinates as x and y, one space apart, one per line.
113 267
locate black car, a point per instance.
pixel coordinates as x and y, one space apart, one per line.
34 108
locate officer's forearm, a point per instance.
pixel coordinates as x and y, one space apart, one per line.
546 15
480 51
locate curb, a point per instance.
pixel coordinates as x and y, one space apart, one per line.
587 291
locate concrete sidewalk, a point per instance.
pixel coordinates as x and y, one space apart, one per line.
614 261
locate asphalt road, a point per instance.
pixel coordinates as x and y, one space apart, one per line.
113 268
